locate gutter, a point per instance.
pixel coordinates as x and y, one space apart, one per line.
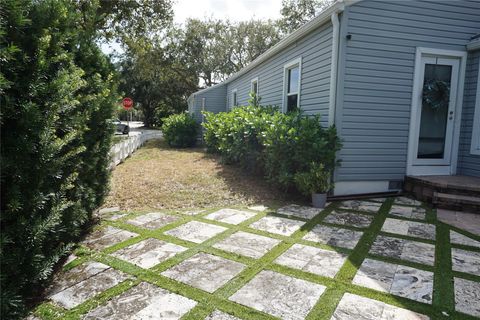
334 67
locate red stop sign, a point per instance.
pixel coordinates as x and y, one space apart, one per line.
127 103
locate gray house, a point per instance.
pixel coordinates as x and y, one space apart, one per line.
399 79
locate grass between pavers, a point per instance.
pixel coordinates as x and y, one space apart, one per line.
443 299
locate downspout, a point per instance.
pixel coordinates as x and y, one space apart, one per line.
334 68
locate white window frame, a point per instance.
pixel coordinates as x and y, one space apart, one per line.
251 85
286 67
204 102
234 97
475 145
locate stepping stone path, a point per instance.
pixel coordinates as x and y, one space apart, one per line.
205 271
407 250
195 231
273 293
467 296
409 228
152 220
230 216
277 225
353 307
234 264
85 283
457 238
314 260
302 212
360 205
247 244
396 279
349 219
148 253
144 301
332 236
106 237
408 212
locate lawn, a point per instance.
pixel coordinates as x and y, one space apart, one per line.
159 177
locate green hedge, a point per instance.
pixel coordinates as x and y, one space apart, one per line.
280 145
57 92
180 130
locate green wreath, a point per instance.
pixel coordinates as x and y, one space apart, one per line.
436 94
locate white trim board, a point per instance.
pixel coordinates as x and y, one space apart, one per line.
427 169
343 188
475 143
232 103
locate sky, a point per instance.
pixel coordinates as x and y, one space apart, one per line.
234 10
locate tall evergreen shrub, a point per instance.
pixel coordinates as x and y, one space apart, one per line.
57 91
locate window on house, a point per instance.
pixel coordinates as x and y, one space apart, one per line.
254 88
292 85
475 148
234 98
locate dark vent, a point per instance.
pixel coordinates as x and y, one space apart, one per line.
395 185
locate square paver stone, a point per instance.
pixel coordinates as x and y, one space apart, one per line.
205 271
408 212
247 244
282 226
314 260
396 279
149 252
144 301
466 261
153 220
349 219
303 212
231 216
407 250
279 295
195 231
407 201
80 292
467 296
106 237
353 307
65 279
361 205
409 228
458 238
332 236
219 315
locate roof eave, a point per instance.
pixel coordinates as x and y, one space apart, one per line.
308 27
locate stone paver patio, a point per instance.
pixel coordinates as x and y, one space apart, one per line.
384 258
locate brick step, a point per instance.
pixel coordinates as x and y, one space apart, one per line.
461 193
456 202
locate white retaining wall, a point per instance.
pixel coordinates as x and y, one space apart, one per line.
125 148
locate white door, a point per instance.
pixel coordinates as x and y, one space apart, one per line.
434 111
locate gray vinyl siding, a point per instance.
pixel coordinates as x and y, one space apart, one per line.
469 164
377 71
315 50
215 101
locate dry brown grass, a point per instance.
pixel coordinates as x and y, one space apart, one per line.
159 177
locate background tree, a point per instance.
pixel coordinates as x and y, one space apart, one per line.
297 12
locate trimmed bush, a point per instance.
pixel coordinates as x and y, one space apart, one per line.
180 130
280 145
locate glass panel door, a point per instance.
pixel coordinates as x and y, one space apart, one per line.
436 111
434 115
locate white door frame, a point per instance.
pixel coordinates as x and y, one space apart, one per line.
414 119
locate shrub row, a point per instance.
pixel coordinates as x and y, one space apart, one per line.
279 145
180 130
